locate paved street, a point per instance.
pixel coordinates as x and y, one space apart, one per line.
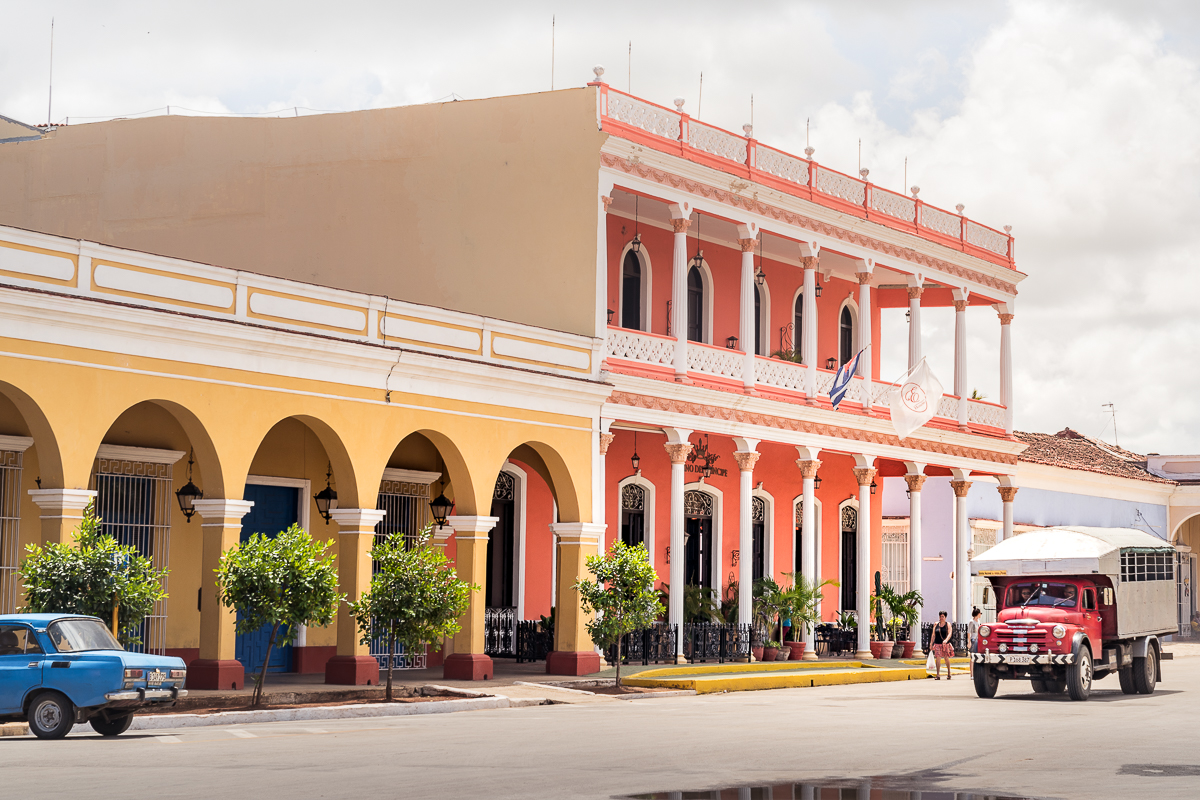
933 735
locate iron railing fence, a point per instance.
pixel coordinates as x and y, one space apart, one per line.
960 637
714 641
500 632
653 645
534 640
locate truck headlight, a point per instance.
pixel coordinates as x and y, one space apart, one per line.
985 631
1059 631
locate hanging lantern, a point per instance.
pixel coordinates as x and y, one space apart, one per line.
326 498
873 486
817 290
817 482
440 508
189 493
636 244
635 460
760 277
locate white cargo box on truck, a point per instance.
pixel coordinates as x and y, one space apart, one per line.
1140 566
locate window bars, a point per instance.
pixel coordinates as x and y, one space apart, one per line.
1147 566
133 502
894 566
10 522
407 507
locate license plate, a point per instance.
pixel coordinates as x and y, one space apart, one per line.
1020 659
155 677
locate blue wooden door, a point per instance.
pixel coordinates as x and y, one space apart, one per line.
274 510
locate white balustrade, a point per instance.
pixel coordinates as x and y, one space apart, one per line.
824 382
948 407
640 114
987 238
843 186
781 165
940 221
779 373
895 205
637 346
879 393
716 141
985 414
715 360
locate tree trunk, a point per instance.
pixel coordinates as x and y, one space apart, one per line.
391 660
619 662
262 675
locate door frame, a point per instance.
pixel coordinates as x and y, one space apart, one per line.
303 503
718 498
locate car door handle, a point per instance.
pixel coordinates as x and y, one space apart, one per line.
35 663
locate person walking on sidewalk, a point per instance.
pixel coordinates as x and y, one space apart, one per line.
941 647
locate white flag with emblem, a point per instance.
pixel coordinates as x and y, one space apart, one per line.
914 399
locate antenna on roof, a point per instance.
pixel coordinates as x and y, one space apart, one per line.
50 99
700 99
552 23
629 70
1113 409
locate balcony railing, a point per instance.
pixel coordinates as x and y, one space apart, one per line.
675 132
704 359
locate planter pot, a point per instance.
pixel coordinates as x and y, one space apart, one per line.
784 655
876 649
757 652
885 649
797 650
769 654
908 648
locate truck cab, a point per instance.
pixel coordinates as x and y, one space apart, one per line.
1075 605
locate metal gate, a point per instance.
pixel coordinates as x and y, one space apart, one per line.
133 501
407 507
10 520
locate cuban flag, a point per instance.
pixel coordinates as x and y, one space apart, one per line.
841 381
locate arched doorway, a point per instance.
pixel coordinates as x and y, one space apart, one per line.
849 571
699 558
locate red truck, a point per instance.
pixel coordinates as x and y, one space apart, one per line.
1075 605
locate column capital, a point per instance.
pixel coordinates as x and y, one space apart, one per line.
606 439
915 482
808 468
607 202
219 511
746 460
960 305
1006 319
357 520
681 225
960 488
810 262
915 292
864 278
1007 493
748 245
578 532
864 475
472 527
678 451
60 500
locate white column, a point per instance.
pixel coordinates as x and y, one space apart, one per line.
600 509
865 268
680 220
1008 494
808 337
864 473
746 333
914 324
746 458
962 536
1006 381
915 480
678 450
960 355
809 465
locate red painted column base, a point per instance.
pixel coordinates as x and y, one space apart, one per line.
563 663
467 667
352 671
206 673
311 660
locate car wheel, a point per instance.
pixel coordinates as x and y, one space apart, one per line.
113 726
1079 675
1039 686
1125 676
986 681
51 716
1145 671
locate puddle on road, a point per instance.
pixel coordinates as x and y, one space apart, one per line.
897 788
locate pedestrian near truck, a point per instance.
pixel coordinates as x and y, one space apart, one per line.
941 646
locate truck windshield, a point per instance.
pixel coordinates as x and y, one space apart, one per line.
75 635
1042 593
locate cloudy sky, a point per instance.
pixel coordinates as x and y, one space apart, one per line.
1076 123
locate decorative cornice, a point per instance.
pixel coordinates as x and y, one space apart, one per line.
960 488
803 426
808 469
799 220
915 482
1007 493
864 475
681 225
678 452
746 460
748 245
605 440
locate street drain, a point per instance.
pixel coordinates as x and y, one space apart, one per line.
1161 770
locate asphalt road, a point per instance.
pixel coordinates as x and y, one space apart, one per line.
929 735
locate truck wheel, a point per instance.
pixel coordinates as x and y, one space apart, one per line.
1079 675
1125 676
113 726
1145 671
986 681
51 716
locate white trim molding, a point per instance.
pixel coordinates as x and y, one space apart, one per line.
410 476
717 530
647 512
15 444
147 455
303 502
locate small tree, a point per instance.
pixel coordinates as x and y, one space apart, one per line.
415 597
93 577
285 582
623 595
799 602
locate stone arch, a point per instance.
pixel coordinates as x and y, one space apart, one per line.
552 467
38 427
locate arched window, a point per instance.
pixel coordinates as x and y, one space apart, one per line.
698 540
695 307
798 325
849 558
846 336
631 292
633 515
758 536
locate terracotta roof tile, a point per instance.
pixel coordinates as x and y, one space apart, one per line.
1073 450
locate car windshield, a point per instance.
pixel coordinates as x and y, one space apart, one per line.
75 635
1042 593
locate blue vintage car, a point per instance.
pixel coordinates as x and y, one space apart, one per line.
57 670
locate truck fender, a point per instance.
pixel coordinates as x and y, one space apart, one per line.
1077 643
1140 645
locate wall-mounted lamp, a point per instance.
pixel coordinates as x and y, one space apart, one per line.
873 487
610 316
731 342
831 363
817 482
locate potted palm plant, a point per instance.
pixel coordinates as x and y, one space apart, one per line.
799 603
905 610
767 598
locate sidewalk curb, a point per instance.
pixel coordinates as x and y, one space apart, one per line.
365 711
